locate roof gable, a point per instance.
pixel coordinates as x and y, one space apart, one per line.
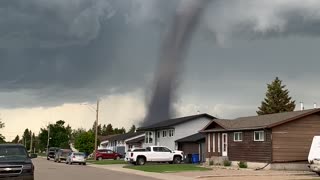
172 122
263 121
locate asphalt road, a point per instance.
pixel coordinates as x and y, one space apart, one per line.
49 170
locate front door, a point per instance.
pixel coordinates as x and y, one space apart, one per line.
224 144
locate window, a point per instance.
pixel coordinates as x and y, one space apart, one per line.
148 149
259 136
164 149
171 132
219 142
158 134
213 143
156 149
208 142
149 137
237 136
164 133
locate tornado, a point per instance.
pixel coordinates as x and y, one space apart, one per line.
171 60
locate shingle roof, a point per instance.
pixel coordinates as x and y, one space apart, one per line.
263 121
104 138
172 122
136 140
124 136
193 138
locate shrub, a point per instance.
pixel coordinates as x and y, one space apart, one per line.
242 164
226 162
210 162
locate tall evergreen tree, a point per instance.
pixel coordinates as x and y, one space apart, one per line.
277 99
16 139
132 129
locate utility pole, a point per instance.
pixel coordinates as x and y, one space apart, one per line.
31 142
48 138
96 133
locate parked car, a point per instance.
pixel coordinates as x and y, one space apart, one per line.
127 158
314 155
51 152
156 154
107 154
15 162
76 157
62 155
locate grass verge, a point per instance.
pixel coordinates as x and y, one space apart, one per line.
168 168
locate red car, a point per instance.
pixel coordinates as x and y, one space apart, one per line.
107 154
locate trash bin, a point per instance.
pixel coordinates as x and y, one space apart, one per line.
188 159
195 158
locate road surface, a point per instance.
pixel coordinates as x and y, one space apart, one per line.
49 170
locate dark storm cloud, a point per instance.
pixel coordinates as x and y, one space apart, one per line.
56 51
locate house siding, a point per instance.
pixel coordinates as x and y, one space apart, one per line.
292 141
180 131
248 149
216 151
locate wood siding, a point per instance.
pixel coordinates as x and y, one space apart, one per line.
292 141
249 150
216 151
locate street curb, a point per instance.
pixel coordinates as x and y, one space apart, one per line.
140 173
255 175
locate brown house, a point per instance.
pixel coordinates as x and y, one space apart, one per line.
281 137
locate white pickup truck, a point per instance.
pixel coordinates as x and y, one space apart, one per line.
314 155
155 154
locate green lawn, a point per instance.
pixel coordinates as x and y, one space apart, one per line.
168 168
106 162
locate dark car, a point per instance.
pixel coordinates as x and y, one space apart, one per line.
62 155
107 154
15 162
51 152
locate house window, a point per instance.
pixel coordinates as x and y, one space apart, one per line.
208 142
149 137
171 132
130 146
258 135
158 134
237 136
164 133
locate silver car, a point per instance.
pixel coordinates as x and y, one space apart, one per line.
76 157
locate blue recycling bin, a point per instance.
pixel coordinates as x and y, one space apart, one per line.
195 159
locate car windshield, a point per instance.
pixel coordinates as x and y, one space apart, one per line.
12 153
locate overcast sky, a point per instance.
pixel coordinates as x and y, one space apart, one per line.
58 54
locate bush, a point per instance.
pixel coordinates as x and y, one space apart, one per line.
226 162
210 162
242 164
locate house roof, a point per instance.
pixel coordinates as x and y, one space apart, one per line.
259 122
193 138
125 136
172 122
136 140
104 138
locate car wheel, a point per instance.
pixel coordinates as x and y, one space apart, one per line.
118 158
59 160
99 158
141 161
71 163
318 173
84 164
177 160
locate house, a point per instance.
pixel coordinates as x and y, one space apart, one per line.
104 141
121 143
275 138
171 133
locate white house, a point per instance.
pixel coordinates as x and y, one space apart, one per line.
167 132
121 143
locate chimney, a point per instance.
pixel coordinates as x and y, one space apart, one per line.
301 106
315 105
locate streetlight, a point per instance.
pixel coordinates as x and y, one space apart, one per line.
96 127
